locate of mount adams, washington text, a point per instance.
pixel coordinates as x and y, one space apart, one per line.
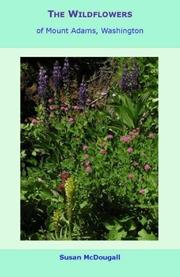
94 31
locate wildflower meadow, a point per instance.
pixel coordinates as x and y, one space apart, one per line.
89 148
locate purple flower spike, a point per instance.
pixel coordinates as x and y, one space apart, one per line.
57 76
82 94
130 78
66 73
42 82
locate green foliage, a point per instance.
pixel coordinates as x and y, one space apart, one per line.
127 111
143 235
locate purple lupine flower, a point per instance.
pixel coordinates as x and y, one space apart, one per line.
130 78
82 94
42 82
124 79
135 77
66 73
56 76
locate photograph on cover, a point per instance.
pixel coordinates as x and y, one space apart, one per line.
89 148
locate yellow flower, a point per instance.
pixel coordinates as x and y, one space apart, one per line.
56 218
69 192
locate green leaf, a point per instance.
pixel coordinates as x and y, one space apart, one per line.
83 204
23 154
115 227
143 235
115 235
46 194
121 235
109 227
143 221
132 228
126 219
23 194
34 153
